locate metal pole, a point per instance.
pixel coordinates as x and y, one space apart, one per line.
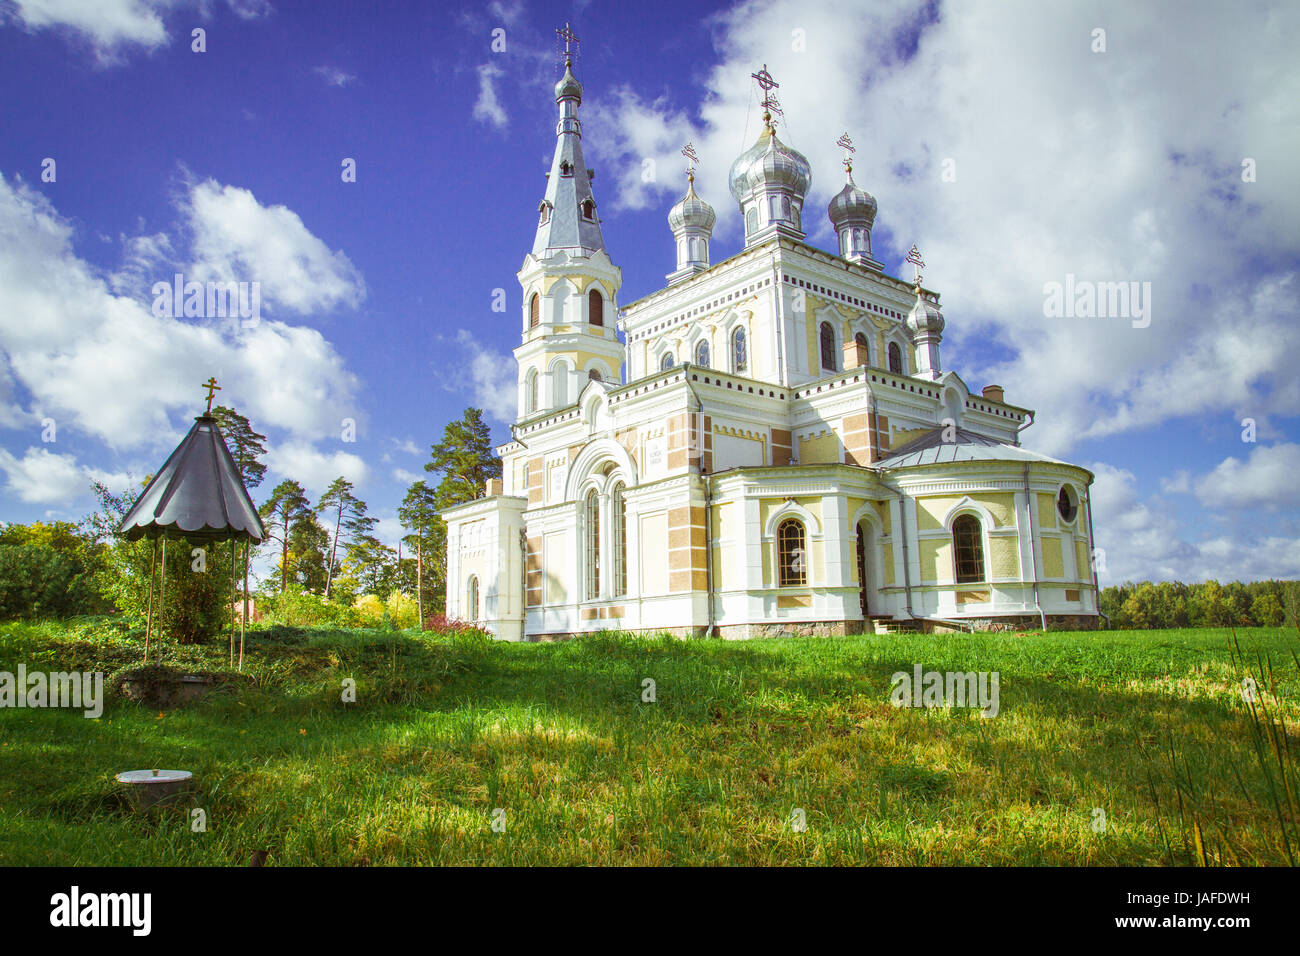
234 571
148 614
162 594
244 618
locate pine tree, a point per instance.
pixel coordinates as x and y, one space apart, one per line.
350 521
418 513
287 504
465 459
246 446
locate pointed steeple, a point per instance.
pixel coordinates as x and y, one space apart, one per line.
567 219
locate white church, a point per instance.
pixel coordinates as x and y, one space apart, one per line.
766 445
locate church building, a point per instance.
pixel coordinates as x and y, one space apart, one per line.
766 445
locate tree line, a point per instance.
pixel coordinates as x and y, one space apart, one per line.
328 560
1169 604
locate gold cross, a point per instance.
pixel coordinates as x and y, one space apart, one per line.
914 257
212 386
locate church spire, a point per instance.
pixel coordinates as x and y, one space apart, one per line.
567 219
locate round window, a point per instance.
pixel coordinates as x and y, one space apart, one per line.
1067 505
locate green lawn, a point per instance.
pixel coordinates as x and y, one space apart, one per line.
1150 727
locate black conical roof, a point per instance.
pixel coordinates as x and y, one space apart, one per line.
197 493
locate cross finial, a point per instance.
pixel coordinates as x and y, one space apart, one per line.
571 42
914 257
847 145
692 160
767 84
212 386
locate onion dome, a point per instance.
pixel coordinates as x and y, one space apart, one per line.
925 317
852 205
769 165
568 87
691 212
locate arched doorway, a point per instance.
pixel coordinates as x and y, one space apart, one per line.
868 593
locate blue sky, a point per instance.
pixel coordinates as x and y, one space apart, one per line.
997 136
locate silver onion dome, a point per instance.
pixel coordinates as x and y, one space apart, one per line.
925 317
852 204
691 210
771 163
568 85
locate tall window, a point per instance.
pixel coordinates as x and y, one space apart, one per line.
471 597
618 539
532 391
968 549
534 311
592 510
702 352
864 353
595 307
791 555
751 221
666 362
895 358
588 210
828 346
560 384
739 357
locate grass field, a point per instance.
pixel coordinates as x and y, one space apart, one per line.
1149 727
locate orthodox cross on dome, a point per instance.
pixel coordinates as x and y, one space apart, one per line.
571 42
847 145
212 386
914 257
767 84
692 160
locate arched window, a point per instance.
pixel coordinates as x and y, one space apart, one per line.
531 388
751 221
666 362
791 555
828 346
545 209
560 384
534 311
592 510
702 352
895 358
968 549
594 375
588 209
595 307
471 597
739 356
618 540
785 207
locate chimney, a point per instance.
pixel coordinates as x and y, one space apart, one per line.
994 393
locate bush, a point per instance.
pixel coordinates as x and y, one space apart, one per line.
402 610
299 608
36 582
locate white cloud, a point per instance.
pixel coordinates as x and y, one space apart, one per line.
408 477
1266 479
1141 540
315 469
333 76
103 363
44 477
491 377
487 107
110 27
237 238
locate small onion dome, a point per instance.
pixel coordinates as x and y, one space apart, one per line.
925 317
852 205
691 210
568 85
769 162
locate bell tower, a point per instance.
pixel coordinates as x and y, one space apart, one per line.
570 285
